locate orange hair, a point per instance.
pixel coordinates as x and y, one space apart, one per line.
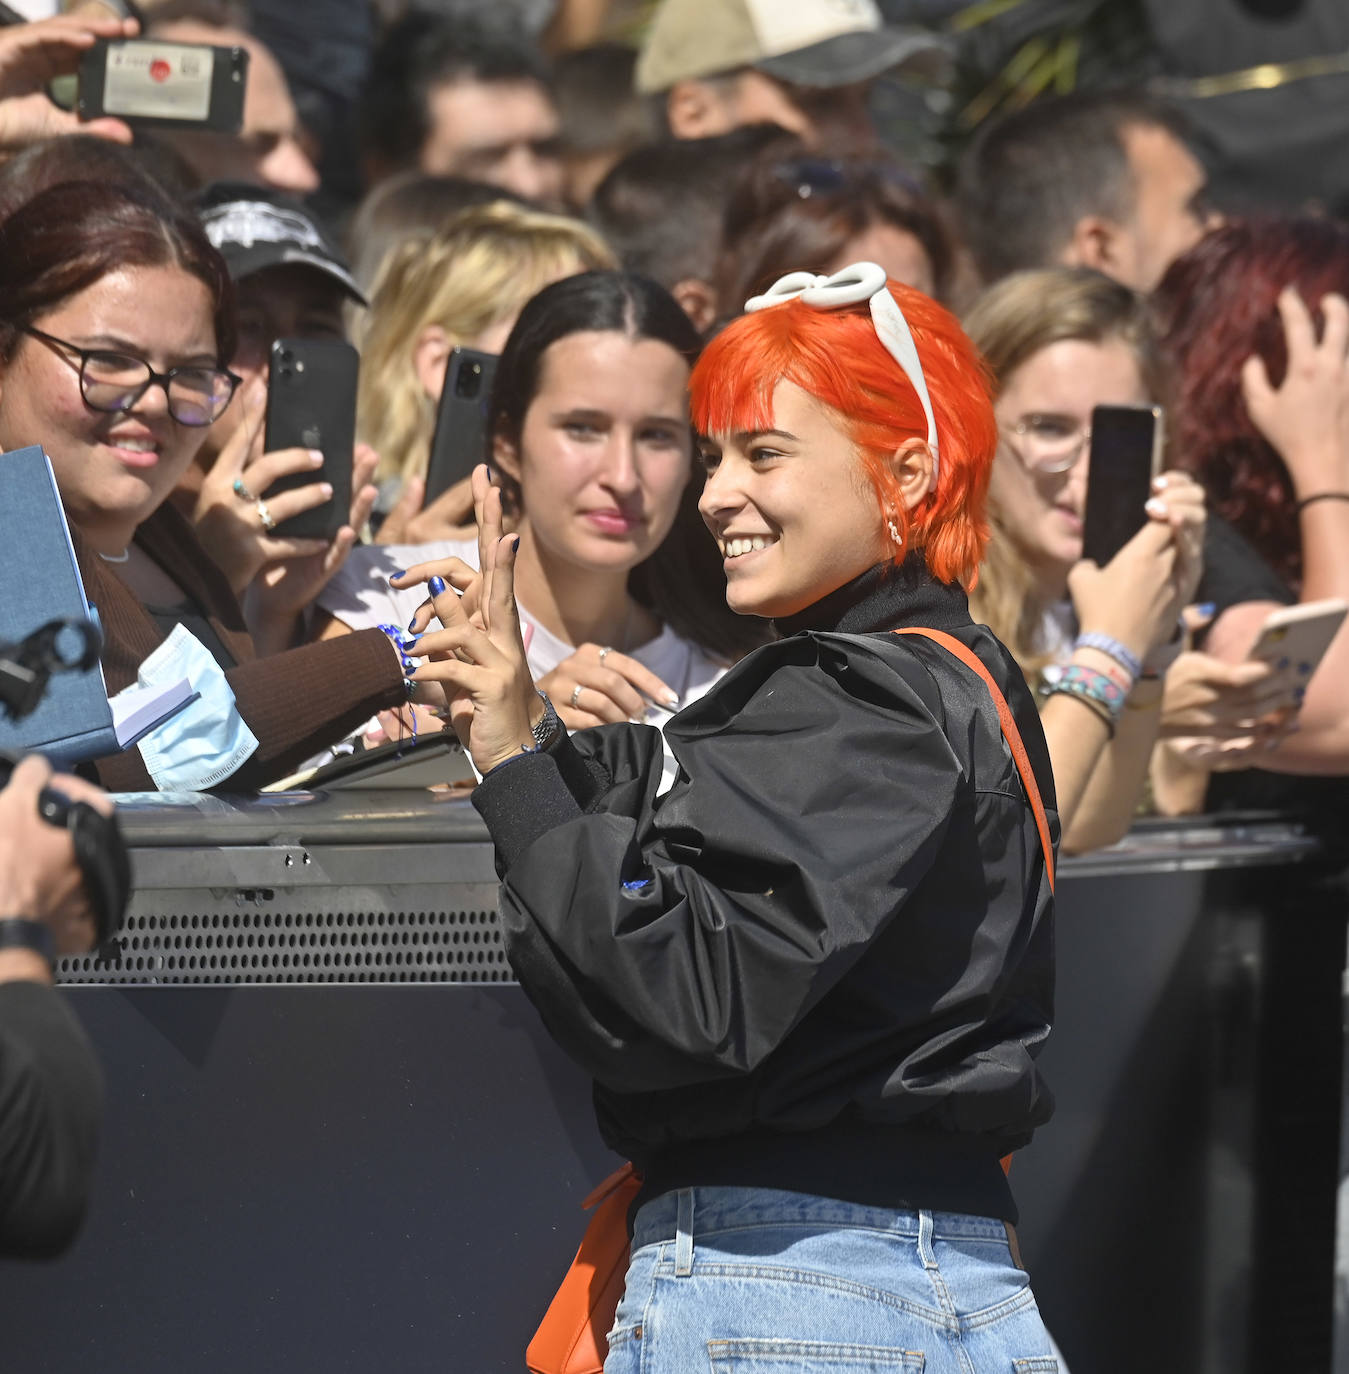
835 356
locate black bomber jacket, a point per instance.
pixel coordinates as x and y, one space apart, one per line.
823 960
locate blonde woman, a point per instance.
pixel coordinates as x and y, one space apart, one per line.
1060 342
461 286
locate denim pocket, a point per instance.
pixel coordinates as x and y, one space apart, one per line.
792 1357
1039 1364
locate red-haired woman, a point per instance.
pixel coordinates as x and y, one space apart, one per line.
811 979
1256 322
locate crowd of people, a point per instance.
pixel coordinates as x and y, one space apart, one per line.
597 216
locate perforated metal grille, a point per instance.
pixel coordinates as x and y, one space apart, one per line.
288 946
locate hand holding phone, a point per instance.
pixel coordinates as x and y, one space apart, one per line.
1293 641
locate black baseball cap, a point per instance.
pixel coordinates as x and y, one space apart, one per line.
255 227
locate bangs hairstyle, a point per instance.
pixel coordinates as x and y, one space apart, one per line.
75 233
835 356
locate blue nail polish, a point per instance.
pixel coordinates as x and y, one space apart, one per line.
490 474
515 544
393 577
406 641
436 586
1207 608
412 624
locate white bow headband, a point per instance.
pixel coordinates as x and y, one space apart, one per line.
862 281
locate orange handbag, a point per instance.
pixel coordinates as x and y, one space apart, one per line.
573 1337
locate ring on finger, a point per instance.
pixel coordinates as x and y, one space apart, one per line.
241 489
606 651
576 694
265 516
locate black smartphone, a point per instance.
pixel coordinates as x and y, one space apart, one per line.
1126 454
460 441
311 403
168 85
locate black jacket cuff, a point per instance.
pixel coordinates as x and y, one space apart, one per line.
521 801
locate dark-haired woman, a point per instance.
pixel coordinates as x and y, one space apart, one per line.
619 586
1255 319
115 312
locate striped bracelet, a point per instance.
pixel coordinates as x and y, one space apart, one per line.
1105 696
1111 648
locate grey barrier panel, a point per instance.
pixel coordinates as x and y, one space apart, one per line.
302 1176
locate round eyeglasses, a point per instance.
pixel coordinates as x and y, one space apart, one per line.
1049 444
113 382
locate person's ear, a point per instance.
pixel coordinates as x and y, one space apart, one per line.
1096 242
429 356
696 109
912 467
698 301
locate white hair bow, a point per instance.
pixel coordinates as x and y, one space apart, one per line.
861 281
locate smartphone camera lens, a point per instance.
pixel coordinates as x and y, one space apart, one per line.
468 380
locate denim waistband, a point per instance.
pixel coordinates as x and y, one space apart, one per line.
723 1209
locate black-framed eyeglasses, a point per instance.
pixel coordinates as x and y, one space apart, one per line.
113 382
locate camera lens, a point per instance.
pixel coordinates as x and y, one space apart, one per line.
468 380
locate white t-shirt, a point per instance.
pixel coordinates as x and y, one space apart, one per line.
360 596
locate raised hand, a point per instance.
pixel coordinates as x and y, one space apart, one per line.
1306 417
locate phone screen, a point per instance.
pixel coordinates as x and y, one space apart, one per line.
1125 453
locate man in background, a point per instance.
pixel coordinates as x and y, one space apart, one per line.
806 66
1105 180
455 98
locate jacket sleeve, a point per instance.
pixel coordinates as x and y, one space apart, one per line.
50 1104
678 940
296 703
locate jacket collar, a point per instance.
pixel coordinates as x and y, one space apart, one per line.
883 598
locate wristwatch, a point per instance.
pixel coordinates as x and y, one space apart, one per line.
546 729
17 932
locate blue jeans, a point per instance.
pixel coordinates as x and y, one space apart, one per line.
732 1280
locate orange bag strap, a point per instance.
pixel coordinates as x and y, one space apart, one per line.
1009 730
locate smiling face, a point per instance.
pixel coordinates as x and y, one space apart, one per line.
1052 394
790 507
112 470
604 451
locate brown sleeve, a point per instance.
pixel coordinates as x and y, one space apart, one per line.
296 703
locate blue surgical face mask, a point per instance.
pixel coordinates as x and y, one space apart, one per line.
200 746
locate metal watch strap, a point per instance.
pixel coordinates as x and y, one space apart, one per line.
546 728
17 932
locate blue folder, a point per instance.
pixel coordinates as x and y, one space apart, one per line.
40 581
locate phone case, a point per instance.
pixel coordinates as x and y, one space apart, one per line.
460 440
164 85
311 403
1126 450
1295 640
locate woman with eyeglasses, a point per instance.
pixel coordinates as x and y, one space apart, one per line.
114 314
1097 642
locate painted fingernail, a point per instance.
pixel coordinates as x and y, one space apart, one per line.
1204 608
515 544
393 577
406 641
412 624
491 476
316 457
1155 506
436 586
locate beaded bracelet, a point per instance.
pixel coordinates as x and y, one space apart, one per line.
1111 648
1094 689
398 638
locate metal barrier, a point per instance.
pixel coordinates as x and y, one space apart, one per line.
388 1175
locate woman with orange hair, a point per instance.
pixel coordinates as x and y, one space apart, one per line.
811 978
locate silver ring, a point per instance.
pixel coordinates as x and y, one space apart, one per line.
265 516
606 651
575 693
